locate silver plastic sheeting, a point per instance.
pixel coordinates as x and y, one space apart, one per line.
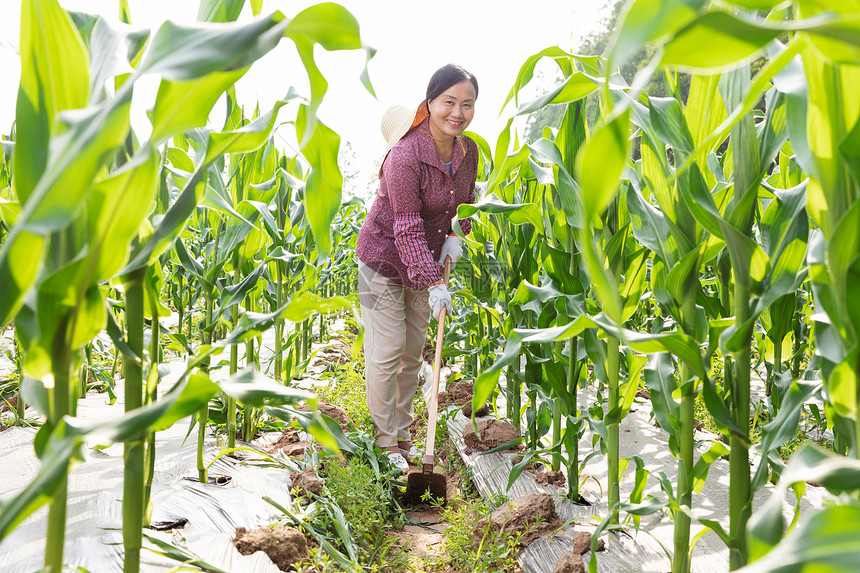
93 530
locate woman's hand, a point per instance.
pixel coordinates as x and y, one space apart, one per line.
452 247
439 297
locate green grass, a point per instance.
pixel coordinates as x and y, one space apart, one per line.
463 552
368 509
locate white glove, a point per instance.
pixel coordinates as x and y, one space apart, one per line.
452 247
439 297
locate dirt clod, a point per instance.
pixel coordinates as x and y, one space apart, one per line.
457 392
493 433
336 413
288 437
643 393
532 515
482 411
284 545
582 543
429 352
307 481
698 425
569 563
296 450
552 478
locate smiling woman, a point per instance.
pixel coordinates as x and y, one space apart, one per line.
425 176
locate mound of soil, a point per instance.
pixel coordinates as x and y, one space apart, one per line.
284 545
532 515
336 413
493 433
552 478
290 443
482 411
429 352
307 481
335 355
572 562
457 392
569 563
582 543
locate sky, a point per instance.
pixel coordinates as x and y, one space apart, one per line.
490 38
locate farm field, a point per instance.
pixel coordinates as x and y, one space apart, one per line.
652 361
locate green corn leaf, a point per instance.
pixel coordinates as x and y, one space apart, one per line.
600 164
716 40
182 53
334 28
324 182
183 105
113 51
307 303
646 21
116 207
667 119
546 151
220 10
784 424
660 381
829 541
248 137
516 213
60 450
526 72
573 88
54 78
251 387
700 470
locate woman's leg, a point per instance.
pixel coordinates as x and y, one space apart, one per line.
417 317
382 314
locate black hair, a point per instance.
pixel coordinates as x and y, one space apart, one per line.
447 76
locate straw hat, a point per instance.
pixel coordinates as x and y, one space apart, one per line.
398 120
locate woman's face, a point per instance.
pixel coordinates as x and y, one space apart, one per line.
451 111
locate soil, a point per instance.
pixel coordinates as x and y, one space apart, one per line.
569 563
482 411
336 413
532 515
307 481
429 352
533 466
284 545
457 392
9 403
572 562
420 541
491 434
643 393
290 443
336 355
582 543
552 478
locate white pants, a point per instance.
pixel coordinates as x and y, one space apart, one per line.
395 319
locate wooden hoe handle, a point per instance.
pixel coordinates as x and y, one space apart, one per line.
433 405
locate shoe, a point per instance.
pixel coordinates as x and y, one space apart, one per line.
412 453
398 461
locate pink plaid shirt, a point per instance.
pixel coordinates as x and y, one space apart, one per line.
403 233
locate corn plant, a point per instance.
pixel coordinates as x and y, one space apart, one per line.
71 234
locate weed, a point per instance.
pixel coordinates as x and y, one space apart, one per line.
348 391
368 508
465 551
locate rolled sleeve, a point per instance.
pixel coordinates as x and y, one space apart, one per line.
403 178
412 245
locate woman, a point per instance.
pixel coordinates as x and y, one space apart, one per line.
427 173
